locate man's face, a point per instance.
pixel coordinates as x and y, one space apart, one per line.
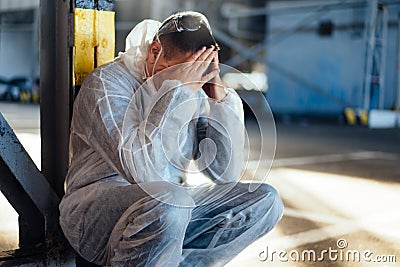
164 63
158 63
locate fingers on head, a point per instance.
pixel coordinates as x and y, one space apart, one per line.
196 55
208 76
204 61
202 54
207 55
216 57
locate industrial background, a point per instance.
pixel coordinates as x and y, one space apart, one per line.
325 43
330 71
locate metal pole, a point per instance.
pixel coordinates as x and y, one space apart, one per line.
35 44
266 33
382 67
370 37
26 189
55 76
397 101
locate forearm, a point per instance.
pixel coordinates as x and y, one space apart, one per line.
150 147
225 127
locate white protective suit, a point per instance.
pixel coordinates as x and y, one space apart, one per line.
126 201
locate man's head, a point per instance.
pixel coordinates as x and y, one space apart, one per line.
178 38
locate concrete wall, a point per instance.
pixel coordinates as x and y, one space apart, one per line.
17 55
7 5
309 73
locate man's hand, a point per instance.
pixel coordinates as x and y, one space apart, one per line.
192 72
214 88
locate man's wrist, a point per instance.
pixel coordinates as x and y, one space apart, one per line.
220 94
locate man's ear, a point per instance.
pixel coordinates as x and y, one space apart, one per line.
153 51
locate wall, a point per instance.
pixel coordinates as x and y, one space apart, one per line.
314 74
16 55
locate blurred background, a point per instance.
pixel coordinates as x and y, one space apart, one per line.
315 52
330 72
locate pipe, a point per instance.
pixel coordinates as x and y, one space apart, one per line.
55 90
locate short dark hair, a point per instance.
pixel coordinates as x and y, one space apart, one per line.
186 41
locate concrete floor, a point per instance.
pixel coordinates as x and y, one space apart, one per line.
341 189
340 186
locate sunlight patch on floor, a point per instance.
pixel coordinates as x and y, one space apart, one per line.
348 204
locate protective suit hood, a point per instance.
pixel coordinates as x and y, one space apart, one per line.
136 46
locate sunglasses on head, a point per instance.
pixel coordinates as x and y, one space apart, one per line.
181 23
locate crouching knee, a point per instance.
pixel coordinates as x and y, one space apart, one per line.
166 209
168 193
272 203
